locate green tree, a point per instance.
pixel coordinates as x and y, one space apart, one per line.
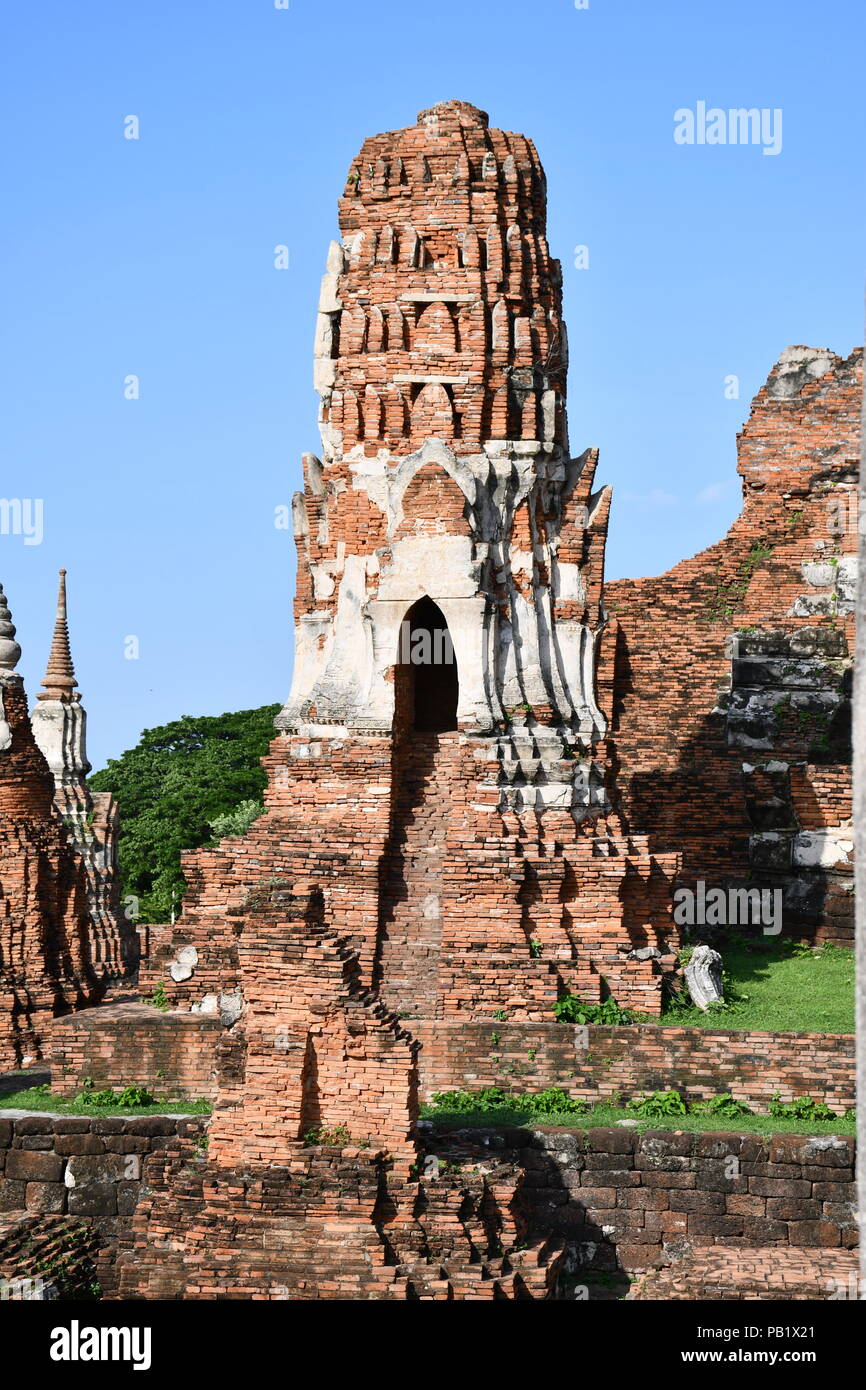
174 789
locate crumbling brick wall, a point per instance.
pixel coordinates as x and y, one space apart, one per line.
317 1052
79 1174
727 680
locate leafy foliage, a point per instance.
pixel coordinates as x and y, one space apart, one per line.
492 1106
572 1009
237 821
803 1108
658 1104
174 788
552 1101
130 1098
338 1135
724 1105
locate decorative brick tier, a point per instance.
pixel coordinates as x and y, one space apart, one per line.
127 1044
595 1062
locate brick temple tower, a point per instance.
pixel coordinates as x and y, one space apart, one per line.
445 477
440 772
44 958
59 723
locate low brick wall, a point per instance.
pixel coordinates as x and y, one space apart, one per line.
596 1062
620 1200
128 1044
84 1168
607 1199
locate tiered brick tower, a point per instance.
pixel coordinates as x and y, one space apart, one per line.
44 968
59 723
440 770
441 361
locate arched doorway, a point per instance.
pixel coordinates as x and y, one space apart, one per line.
427 685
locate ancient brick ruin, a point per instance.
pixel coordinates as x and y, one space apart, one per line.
454 813
727 681
62 936
489 777
59 723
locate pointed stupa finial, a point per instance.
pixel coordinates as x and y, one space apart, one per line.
9 648
59 680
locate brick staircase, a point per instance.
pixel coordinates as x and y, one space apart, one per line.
336 1224
410 924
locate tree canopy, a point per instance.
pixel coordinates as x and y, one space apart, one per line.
174 790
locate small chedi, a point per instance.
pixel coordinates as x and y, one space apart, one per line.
63 938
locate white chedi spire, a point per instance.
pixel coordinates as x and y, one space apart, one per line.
59 722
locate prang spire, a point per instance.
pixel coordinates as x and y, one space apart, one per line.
59 681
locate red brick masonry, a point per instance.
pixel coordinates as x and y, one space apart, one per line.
595 1062
172 1054
175 1054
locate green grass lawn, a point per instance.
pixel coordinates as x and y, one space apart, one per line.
40 1098
780 988
607 1117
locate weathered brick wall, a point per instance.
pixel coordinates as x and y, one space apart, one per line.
172 1054
756 1273
708 759
82 1167
178 1054
497 1214
615 1199
597 1062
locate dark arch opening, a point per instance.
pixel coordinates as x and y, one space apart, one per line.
427 686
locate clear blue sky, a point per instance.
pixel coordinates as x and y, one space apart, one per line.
155 257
